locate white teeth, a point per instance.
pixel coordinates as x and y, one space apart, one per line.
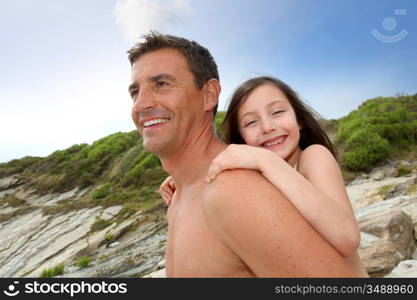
278 141
155 121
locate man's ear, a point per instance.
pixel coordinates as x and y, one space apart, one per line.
212 90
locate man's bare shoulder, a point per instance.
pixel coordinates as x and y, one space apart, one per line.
238 190
238 183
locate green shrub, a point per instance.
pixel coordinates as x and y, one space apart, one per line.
102 192
18 165
392 122
49 273
83 261
137 175
364 149
218 121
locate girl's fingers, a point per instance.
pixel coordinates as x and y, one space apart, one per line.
217 166
172 185
165 193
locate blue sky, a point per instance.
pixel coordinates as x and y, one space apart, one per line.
64 71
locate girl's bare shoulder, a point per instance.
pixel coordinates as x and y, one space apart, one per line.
316 158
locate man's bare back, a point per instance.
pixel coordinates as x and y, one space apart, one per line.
242 226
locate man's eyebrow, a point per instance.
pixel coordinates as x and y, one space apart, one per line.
162 76
155 78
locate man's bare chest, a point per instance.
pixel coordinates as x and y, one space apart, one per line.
193 249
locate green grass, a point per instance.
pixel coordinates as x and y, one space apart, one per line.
83 262
412 189
108 237
102 192
52 272
12 200
403 170
100 224
383 191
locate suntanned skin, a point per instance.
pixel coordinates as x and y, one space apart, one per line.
238 226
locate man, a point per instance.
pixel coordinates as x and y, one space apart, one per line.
239 225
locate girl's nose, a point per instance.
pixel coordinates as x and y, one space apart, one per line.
267 126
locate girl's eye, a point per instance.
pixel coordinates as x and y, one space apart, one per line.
277 112
250 123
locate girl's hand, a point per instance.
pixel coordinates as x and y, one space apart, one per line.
236 157
167 190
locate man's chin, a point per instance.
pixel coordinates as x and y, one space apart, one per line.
153 147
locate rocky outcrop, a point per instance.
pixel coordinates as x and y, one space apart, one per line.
406 268
393 226
378 255
385 206
35 241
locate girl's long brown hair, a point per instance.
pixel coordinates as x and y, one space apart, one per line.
311 132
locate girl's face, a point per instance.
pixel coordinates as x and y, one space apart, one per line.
267 119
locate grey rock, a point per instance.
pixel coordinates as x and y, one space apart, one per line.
110 212
157 274
379 257
392 225
406 268
114 245
10 182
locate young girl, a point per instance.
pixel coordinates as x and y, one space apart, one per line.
286 144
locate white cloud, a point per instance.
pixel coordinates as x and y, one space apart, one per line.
137 17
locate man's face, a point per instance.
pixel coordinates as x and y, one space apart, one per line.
166 101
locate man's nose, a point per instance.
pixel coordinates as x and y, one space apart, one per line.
144 100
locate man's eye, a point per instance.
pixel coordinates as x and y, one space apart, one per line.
134 93
160 84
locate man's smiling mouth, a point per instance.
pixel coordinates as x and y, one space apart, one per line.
154 122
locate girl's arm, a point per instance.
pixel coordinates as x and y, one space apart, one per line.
317 190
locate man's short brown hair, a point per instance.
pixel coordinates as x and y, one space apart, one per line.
200 61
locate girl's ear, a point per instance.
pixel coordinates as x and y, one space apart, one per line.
211 94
